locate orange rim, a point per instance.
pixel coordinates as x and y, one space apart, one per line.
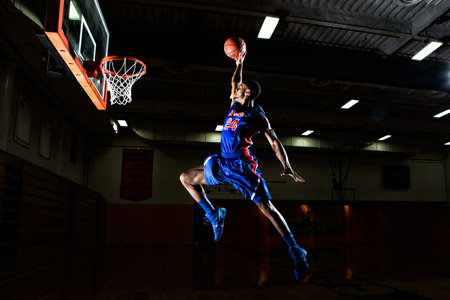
116 57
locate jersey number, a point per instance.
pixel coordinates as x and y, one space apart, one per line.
232 125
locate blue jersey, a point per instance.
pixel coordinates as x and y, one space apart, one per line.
239 128
237 166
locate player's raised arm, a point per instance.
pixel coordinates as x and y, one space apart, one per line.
277 147
236 80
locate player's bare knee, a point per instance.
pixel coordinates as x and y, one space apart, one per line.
184 178
265 208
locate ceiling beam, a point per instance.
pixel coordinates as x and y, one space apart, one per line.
419 25
286 9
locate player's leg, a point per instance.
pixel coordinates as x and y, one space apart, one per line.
298 254
274 216
192 180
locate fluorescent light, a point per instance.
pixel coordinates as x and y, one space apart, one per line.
307 132
447 144
349 104
384 137
114 126
219 128
441 114
268 27
122 123
427 50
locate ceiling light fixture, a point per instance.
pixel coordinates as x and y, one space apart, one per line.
114 126
122 123
441 114
427 50
349 104
407 2
268 27
384 137
307 132
219 128
447 144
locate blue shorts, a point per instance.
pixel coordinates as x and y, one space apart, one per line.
241 172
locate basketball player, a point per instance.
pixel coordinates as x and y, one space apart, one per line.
239 168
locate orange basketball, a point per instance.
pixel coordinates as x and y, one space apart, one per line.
233 46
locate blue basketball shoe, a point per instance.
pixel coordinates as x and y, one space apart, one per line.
217 219
301 265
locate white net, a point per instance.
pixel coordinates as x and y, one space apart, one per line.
121 73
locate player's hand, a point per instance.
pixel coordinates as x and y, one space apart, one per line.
240 59
293 174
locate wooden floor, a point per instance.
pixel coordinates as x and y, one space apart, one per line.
365 251
224 271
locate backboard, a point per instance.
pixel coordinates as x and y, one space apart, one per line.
79 34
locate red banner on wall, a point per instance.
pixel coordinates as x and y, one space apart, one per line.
137 170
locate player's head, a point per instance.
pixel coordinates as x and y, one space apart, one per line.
254 87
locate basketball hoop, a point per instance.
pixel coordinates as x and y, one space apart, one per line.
121 72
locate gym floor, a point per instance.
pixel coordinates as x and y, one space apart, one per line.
369 251
223 271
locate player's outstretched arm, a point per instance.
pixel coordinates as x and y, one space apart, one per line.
236 79
278 148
